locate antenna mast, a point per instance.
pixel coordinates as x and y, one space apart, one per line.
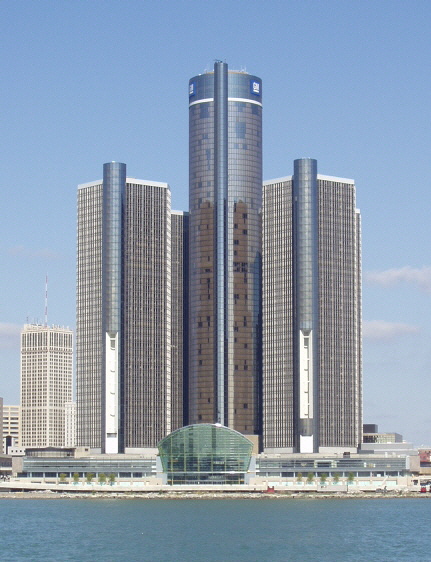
46 300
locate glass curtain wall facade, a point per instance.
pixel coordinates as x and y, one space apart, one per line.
312 290
124 308
225 163
278 387
147 309
89 355
340 301
205 454
179 318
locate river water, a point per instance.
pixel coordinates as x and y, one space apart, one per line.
210 530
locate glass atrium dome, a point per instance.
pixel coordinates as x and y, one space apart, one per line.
205 454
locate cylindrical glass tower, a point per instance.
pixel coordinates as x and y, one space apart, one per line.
225 146
306 305
114 185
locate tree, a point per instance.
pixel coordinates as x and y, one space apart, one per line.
111 478
350 478
62 477
89 477
336 478
102 478
75 477
323 478
299 477
310 478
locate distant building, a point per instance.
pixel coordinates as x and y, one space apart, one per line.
129 300
388 443
46 384
312 355
390 448
2 449
11 427
425 457
371 435
382 438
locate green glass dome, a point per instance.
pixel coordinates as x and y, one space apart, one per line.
205 453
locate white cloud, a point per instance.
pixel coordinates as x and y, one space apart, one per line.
421 277
22 251
9 335
382 330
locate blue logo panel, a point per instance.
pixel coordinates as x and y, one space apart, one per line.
255 87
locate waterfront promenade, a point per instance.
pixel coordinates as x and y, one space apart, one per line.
208 494
24 487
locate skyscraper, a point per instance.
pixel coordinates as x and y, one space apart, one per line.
225 164
124 326
311 313
46 384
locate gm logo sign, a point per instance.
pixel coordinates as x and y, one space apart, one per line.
255 87
191 89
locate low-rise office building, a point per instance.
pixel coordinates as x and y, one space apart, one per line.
211 455
366 471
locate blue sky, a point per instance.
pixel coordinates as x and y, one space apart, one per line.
347 83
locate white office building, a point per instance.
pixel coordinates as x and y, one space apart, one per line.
46 384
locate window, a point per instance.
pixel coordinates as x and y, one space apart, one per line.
240 130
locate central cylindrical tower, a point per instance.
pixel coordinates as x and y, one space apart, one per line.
225 159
